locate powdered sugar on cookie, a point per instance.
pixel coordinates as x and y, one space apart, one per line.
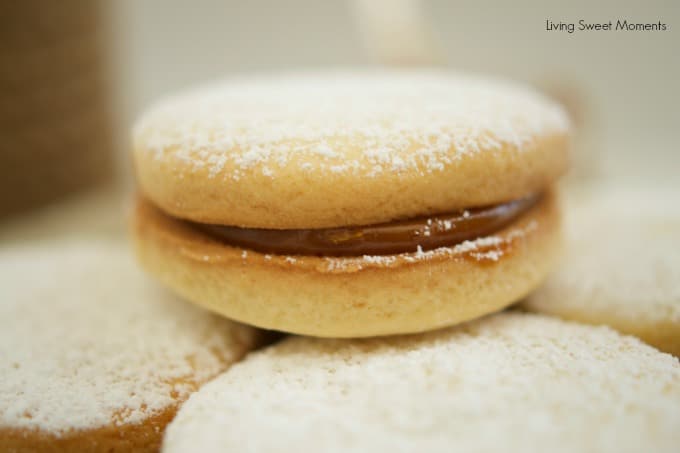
364 123
622 259
510 382
485 249
87 341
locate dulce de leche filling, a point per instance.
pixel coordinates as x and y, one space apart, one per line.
403 236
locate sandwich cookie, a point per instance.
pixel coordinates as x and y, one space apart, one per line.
350 204
94 357
622 265
510 382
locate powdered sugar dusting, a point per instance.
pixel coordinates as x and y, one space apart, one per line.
484 249
87 341
622 257
366 123
509 382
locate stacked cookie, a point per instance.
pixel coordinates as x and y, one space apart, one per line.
351 204
381 203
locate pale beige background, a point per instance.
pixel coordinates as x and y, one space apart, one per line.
627 82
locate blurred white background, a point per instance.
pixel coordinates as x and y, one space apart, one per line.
623 85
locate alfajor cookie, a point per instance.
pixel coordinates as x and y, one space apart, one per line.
622 264
350 204
509 382
93 356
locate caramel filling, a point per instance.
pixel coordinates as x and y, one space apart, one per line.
423 233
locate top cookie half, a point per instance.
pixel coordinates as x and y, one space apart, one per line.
329 149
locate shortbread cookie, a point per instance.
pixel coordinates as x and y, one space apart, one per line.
511 382
93 357
622 264
324 150
351 203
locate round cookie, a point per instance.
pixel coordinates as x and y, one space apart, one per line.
622 264
309 203
94 357
351 296
327 149
510 382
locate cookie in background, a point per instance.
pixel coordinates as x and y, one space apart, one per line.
95 357
622 263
